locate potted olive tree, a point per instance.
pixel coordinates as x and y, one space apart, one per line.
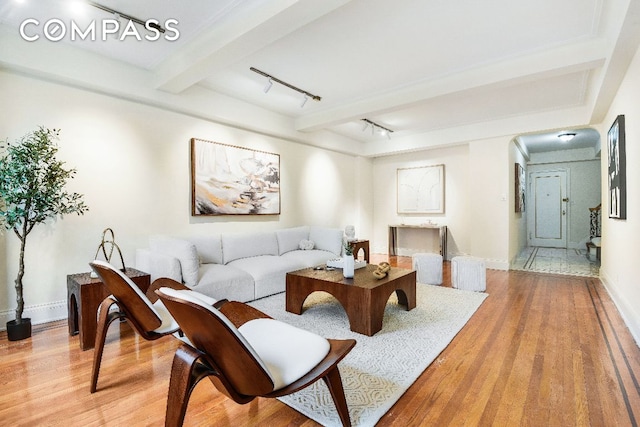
32 191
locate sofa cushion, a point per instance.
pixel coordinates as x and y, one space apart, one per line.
268 271
225 282
245 245
309 258
209 248
306 245
289 238
327 239
184 250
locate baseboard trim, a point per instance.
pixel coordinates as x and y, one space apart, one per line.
40 313
626 311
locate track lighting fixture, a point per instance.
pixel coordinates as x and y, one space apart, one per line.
376 127
119 15
272 79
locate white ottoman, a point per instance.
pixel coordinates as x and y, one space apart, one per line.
428 268
468 273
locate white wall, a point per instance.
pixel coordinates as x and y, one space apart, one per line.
133 167
517 220
455 161
491 199
620 269
476 200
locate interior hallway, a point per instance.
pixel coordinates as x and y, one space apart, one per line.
574 262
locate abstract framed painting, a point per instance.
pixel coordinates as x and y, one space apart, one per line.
617 171
521 187
231 180
421 190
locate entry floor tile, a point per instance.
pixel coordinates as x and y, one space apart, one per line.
574 262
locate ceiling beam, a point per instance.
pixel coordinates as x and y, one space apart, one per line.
224 45
565 59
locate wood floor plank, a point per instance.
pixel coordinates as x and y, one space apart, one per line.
541 350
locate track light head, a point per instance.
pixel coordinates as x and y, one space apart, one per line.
267 88
273 79
374 126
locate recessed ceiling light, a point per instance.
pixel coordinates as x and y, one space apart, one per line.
566 137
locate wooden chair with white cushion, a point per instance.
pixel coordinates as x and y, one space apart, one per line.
150 320
247 354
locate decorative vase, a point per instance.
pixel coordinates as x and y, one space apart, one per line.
348 266
19 331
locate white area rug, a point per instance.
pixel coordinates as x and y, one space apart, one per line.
380 368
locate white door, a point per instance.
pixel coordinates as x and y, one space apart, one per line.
548 216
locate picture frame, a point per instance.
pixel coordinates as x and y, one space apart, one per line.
232 180
520 188
420 190
617 170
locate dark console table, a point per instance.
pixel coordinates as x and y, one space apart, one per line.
393 237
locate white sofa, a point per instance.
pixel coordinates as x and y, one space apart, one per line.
239 266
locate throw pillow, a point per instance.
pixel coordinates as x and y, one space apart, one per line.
306 245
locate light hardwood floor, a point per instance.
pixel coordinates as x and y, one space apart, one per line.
541 350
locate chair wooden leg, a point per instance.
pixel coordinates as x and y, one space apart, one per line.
334 383
186 372
104 320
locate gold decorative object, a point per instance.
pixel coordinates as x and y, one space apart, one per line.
382 271
108 241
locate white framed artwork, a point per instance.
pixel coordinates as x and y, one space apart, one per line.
421 190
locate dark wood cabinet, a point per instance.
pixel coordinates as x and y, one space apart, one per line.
84 295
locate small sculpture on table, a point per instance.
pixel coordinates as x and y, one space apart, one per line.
111 242
350 233
382 271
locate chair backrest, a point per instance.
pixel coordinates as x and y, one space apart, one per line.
130 297
224 347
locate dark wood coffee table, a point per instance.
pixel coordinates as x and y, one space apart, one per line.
363 298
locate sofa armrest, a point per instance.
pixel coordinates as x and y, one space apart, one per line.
158 265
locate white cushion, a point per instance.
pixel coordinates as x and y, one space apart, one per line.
245 245
288 352
225 281
184 250
169 324
158 265
289 238
327 239
192 296
306 245
209 248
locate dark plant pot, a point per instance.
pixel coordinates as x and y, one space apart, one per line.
19 331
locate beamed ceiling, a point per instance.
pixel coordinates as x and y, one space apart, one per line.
435 72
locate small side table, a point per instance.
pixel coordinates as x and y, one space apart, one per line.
84 295
360 244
